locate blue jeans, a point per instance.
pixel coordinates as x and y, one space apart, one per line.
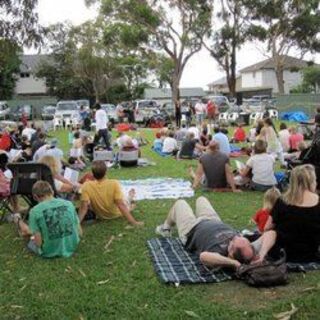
260 187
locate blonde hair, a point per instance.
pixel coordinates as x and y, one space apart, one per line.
52 163
303 178
270 198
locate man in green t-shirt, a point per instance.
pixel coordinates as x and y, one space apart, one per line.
54 229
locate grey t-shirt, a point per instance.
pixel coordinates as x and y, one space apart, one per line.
187 148
214 169
211 236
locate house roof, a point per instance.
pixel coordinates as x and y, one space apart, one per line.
30 62
221 81
289 63
165 93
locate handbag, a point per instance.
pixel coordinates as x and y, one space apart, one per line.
267 274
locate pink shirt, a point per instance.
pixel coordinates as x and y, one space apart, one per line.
294 140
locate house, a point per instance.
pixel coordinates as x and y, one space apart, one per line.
163 95
220 86
27 83
260 78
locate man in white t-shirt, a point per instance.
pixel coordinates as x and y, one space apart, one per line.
200 109
170 145
193 129
28 131
101 119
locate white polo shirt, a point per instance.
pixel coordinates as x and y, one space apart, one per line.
101 119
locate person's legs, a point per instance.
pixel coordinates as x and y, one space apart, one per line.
104 135
182 216
204 210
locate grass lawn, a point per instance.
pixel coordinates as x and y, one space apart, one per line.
119 283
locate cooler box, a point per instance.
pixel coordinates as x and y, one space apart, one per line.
103 155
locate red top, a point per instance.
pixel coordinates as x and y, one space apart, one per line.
239 135
5 142
294 140
261 218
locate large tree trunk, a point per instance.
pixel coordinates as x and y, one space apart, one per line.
175 87
280 80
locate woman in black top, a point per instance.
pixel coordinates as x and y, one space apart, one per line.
296 217
178 113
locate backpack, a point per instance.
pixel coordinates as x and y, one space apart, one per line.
267 274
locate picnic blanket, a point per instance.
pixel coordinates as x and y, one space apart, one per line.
159 188
296 116
173 264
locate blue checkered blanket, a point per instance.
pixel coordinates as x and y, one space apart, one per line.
174 264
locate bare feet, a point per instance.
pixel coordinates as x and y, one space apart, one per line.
191 172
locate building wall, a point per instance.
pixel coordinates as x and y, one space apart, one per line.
30 85
252 79
291 80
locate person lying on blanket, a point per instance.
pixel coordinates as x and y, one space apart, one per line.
217 243
103 198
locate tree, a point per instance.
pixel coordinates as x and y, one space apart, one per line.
223 43
311 81
172 27
9 66
284 25
58 69
19 22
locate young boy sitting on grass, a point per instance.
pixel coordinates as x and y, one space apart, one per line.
54 229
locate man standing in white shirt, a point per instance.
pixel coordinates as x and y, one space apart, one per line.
101 119
200 109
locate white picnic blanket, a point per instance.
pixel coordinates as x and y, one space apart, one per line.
159 188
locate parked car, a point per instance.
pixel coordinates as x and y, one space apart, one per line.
4 110
110 109
253 105
83 102
169 108
221 102
17 112
67 111
261 97
144 110
48 112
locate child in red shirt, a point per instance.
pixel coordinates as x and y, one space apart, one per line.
262 215
239 134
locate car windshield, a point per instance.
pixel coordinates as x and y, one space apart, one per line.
255 103
84 103
67 107
219 100
108 107
49 110
26 109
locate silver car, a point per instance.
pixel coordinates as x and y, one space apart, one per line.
4 110
111 111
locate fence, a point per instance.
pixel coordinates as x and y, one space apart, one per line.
299 102
36 102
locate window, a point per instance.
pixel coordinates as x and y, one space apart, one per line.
24 75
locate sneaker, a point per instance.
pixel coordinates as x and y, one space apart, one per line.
161 231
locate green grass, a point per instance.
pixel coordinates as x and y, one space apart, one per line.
33 288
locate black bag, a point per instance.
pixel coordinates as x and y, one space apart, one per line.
267 274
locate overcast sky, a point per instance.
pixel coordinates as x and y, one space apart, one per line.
200 70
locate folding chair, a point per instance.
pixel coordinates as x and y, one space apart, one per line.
232 117
4 207
25 175
273 114
128 158
254 116
223 117
57 123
